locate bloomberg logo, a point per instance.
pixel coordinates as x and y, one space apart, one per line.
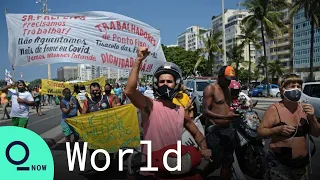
34 167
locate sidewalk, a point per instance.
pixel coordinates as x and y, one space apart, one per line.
266 99
32 111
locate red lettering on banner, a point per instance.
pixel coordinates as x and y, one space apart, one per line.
127 64
123 26
124 63
30 17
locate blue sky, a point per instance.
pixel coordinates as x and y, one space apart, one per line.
172 17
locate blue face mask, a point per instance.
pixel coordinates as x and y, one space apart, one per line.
292 94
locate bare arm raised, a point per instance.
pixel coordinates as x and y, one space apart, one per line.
7 87
137 98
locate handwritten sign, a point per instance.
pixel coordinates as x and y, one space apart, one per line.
98 38
109 129
55 87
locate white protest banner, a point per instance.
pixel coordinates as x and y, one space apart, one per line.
97 38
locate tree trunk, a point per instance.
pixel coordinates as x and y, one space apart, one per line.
249 78
237 68
265 58
210 65
311 47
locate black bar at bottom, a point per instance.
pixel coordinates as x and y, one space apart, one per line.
23 168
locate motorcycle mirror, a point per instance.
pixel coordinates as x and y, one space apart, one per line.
212 128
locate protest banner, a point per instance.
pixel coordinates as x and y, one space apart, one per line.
55 87
95 37
109 129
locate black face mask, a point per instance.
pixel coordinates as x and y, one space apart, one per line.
21 89
292 94
107 91
166 92
95 95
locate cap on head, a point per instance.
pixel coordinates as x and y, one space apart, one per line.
228 72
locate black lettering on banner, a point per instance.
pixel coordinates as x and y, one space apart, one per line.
54 91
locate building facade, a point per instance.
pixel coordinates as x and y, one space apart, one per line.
281 47
172 45
301 47
85 73
189 40
232 23
113 73
67 73
88 72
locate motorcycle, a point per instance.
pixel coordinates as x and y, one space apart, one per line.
249 147
192 163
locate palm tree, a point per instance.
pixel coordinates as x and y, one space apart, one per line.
256 74
211 46
266 15
276 69
235 55
261 64
312 13
248 37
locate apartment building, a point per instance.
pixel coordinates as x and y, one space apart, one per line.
67 73
189 40
172 45
205 36
85 72
301 47
281 47
232 23
88 72
113 73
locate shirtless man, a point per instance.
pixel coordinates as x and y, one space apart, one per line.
216 101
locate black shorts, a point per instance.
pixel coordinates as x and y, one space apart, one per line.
38 104
222 146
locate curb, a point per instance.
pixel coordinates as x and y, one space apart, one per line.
266 99
52 136
262 109
51 142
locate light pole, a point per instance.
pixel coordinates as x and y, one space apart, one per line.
223 36
45 10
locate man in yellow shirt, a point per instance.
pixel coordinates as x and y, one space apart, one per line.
182 99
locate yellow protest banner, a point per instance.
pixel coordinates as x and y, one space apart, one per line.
109 129
55 87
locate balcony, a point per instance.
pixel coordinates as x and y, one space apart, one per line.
285 59
280 44
280 52
284 52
